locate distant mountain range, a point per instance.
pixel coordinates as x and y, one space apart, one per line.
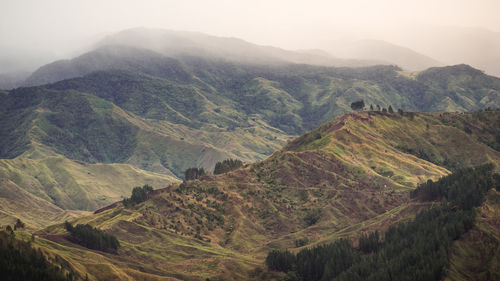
412 49
145 105
450 45
384 52
162 115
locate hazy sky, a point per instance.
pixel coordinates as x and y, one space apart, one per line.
57 26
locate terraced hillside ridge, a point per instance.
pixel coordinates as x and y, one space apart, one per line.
350 176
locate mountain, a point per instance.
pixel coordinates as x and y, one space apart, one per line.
12 80
137 111
349 176
450 45
176 44
183 100
384 52
313 91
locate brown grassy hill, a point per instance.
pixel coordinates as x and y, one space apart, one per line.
349 176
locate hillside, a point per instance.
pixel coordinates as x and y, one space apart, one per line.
207 104
350 176
306 89
162 115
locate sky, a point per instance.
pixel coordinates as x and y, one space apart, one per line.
64 27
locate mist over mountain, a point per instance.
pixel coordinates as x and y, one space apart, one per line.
384 52
178 44
454 45
249 140
449 46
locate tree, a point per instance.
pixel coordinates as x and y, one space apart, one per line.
19 224
378 107
193 173
369 243
139 194
93 238
390 109
20 261
227 165
384 110
280 260
414 250
371 107
9 229
400 111
357 105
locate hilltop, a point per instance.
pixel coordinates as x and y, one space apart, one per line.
182 44
350 176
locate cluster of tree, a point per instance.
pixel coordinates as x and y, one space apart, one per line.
227 165
315 263
139 194
369 243
359 105
193 173
280 260
19 261
93 238
415 250
389 109
312 216
19 224
464 187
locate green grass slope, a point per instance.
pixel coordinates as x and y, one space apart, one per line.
203 106
51 189
194 90
87 128
75 151
348 177
165 115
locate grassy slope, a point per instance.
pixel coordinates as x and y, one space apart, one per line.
154 107
45 124
40 190
353 171
213 102
84 127
16 203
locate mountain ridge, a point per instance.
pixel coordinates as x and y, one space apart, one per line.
352 178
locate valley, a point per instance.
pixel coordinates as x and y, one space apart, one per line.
125 143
